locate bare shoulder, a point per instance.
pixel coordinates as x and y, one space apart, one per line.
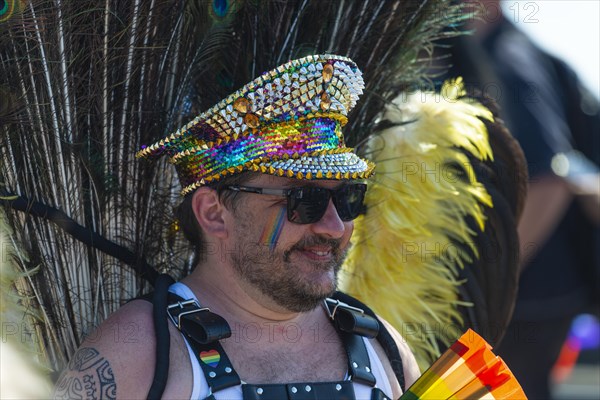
409 364
113 360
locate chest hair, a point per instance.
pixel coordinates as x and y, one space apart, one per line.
307 360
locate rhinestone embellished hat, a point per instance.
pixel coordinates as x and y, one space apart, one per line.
287 122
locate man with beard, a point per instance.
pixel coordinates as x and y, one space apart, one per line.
271 191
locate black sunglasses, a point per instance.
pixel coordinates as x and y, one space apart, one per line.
307 204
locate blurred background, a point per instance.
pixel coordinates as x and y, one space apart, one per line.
569 30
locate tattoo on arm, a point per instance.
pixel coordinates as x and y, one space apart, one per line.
89 376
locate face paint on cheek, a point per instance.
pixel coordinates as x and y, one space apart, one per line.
273 228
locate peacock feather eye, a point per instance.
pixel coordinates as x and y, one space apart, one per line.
224 79
220 7
7 8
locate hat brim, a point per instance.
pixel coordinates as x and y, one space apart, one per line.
323 165
336 166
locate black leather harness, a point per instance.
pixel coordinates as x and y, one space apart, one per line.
204 329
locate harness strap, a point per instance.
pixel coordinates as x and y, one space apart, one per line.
305 391
377 394
219 372
196 323
358 359
300 391
163 340
351 319
384 338
217 367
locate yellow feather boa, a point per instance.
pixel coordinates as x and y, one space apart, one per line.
404 259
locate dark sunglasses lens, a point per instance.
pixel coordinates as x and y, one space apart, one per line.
348 201
307 205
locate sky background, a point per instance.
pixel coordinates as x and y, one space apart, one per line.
569 29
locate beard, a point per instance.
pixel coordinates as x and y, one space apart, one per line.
277 276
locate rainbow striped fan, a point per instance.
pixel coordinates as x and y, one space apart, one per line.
467 370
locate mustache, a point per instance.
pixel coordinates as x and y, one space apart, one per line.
334 244
317 241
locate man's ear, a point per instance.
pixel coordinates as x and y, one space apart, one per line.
209 212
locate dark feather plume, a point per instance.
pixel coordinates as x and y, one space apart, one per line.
491 281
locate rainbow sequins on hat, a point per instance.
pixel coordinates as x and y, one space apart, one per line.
287 122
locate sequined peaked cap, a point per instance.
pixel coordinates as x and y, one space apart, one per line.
287 122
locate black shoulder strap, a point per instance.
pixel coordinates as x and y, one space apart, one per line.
203 330
161 299
384 337
163 340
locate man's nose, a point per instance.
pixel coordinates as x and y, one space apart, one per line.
330 224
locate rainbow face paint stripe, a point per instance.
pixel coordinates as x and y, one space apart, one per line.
273 228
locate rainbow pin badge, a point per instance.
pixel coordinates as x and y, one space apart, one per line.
210 358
